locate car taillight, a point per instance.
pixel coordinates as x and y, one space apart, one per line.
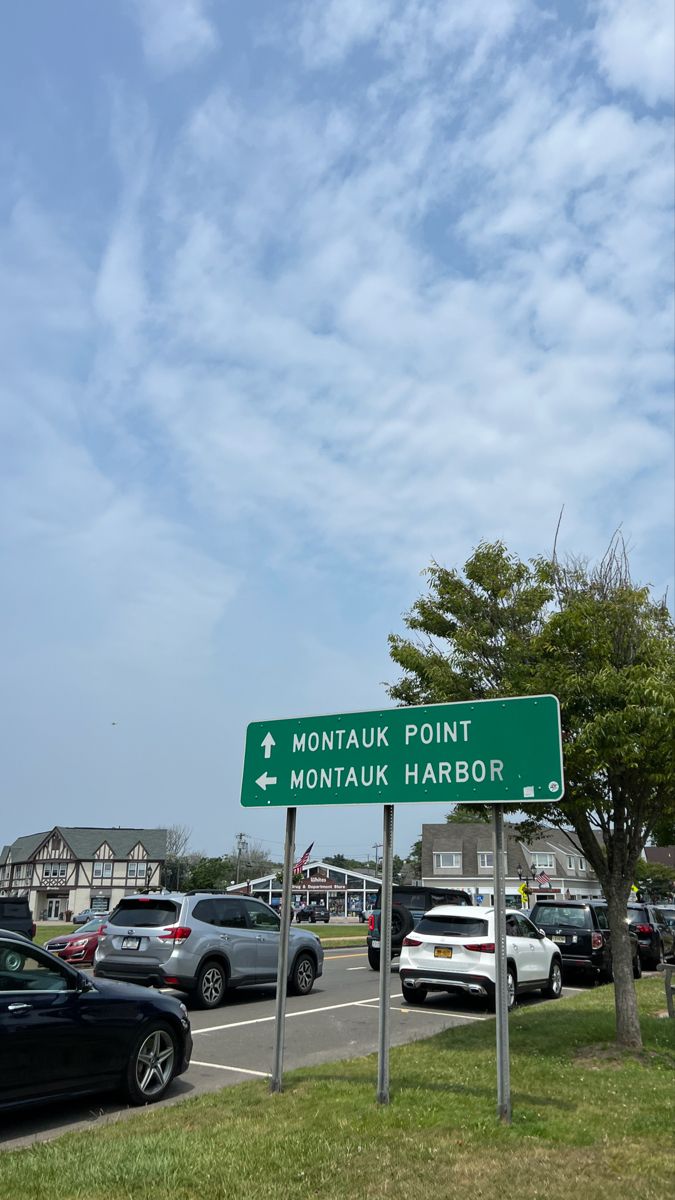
643 928
176 933
408 941
597 941
480 947
371 922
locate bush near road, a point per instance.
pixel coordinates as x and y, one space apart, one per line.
589 1120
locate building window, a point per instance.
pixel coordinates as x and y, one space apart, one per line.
141 870
547 861
56 843
582 864
485 859
54 871
570 862
103 870
131 870
447 860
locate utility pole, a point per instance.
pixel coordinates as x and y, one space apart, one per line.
376 846
241 846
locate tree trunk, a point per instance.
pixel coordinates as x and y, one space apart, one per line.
628 1032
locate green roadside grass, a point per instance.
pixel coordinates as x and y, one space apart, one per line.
351 934
44 933
588 1124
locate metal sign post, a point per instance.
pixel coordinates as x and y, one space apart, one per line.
385 955
282 964
501 991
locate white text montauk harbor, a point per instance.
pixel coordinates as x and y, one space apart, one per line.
484 751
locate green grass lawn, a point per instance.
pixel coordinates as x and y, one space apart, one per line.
331 932
45 933
588 1124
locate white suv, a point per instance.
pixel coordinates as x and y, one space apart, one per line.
452 949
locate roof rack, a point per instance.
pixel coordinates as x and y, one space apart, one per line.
206 892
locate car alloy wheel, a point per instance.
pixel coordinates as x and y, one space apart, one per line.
12 960
154 1063
211 986
554 987
302 978
510 990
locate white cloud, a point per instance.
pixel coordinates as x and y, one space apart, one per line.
176 33
635 45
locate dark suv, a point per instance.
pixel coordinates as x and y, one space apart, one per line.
580 930
311 913
409 906
655 936
16 917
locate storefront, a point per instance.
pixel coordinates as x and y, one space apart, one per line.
340 890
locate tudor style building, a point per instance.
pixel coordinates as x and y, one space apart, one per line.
66 870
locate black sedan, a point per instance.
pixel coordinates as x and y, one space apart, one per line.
63 1034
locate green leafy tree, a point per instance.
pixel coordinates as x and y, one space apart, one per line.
414 863
607 650
655 881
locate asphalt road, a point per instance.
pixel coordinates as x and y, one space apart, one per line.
233 1043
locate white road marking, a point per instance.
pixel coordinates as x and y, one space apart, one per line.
436 1012
305 1012
357 968
240 1070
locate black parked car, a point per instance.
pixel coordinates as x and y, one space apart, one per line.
655 936
15 916
63 1034
409 905
312 913
580 929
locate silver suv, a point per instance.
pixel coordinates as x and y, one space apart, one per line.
204 943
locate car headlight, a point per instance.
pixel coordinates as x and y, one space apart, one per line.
78 944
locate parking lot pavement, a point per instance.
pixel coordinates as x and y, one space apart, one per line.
234 1043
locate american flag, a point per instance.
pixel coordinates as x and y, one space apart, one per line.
542 877
303 860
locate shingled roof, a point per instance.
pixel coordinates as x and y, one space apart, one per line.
84 842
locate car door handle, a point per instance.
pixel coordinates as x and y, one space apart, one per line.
259 937
224 937
18 1008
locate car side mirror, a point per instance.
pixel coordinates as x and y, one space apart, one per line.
542 933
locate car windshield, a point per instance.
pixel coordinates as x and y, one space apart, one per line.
452 926
144 912
552 916
638 915
91 926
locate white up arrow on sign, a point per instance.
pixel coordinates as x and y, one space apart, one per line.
268 741
265 780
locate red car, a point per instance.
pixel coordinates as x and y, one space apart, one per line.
79 947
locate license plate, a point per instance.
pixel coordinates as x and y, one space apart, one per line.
131 943
442 951
561 940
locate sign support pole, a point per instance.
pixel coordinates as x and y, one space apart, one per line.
501 1002
385 955
276 1084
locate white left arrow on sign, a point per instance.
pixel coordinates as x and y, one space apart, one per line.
265 780
267 742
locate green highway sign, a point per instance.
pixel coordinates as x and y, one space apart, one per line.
481 752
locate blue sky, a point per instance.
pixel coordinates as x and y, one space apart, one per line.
299 297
